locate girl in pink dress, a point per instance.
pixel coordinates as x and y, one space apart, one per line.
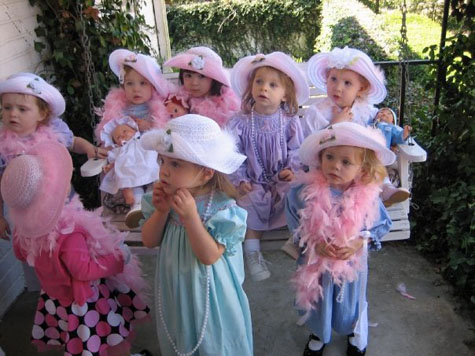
92 289
205 82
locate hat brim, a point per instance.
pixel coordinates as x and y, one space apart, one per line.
211 69
318 66
145 65
41 215
345 134
242 70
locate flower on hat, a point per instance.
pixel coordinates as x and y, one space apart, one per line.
33 85
258 58
131 58
164 141
328 136
198 62
341 58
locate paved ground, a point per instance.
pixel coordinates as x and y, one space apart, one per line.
426 326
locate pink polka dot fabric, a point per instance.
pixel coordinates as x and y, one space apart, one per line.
105 320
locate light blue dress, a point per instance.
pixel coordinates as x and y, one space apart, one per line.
182 282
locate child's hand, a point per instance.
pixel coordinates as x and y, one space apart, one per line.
344 253
286 175
143 125
107 167
4 229
406 131
161 200
244 188
326 250
341 115
184 204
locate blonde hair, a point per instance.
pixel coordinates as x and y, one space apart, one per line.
372 169
290 106
221 183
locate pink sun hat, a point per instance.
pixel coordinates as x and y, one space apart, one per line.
351 59
201 60
145 65
345 134
35 186
31 84
243 69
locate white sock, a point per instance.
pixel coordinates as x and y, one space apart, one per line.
251 246
315 345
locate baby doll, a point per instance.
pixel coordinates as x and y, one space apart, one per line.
130 168
205 84
176 106
92 288
141 93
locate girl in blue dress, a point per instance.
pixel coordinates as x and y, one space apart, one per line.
201 306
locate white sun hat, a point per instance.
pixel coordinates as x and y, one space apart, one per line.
351 59
145 65
242 70
345 134
196 139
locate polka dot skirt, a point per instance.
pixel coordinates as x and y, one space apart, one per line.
89 329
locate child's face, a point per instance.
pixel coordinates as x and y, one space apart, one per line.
268 91
344 86
196 84
175 110
341 165
138 89
176 173
122 133
385 115
21 113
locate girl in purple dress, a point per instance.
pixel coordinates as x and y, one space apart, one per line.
269 134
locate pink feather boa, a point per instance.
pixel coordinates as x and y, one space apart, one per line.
115 103
101 239
332 221
220 108
11 144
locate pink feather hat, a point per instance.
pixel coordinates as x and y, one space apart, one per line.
201 60
345 134
31 84
243 69
351 59
143 64
35 186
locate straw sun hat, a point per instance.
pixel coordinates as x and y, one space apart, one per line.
345 134
196 139
35 186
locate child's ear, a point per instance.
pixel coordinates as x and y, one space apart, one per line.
208 173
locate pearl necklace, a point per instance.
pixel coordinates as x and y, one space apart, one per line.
205 319
267 176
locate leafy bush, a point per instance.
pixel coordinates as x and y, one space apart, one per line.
64 27
444 186
237 28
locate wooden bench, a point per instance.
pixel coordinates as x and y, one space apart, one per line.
399 213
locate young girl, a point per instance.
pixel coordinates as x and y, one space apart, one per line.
30 114
269 134
201 305
89 279
333 215
130 166
353 85
141 93
206 83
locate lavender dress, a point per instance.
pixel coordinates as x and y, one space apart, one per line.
271 144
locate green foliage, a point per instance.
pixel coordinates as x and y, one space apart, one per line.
64 27
237 28
445 188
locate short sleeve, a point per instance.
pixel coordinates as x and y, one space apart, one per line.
228 227
63 131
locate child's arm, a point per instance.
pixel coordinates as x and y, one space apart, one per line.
143 125
205 248
4 229
294 138
82 146
152 229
